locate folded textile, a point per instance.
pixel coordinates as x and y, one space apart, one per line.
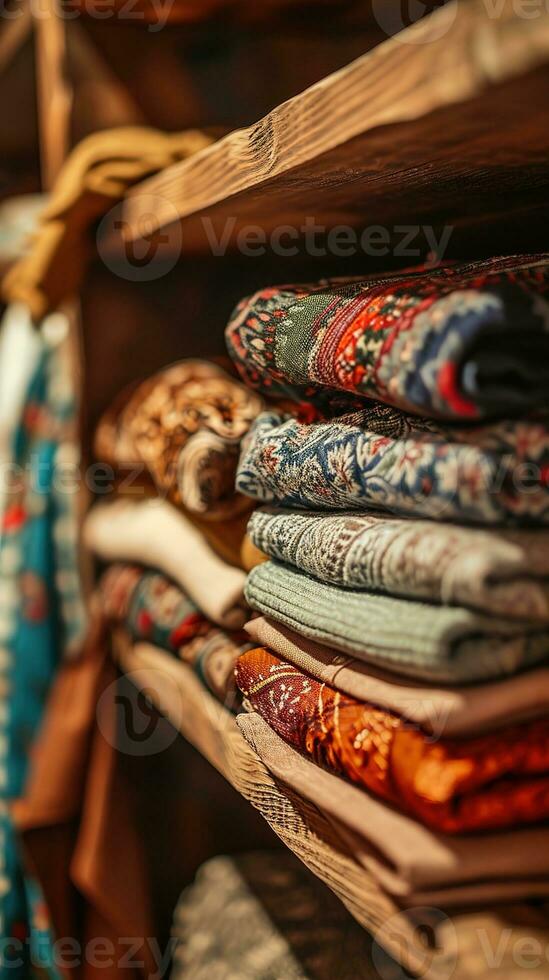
494 571
433 643
377 458
154 533
264 916
184 424
449 711
498 780
95 176
463 341
152 608
410 861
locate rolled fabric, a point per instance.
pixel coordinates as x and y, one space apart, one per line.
410 861
449 711
153 609
447 644
184 424
379 458
457 341
502 572
154 533
455 786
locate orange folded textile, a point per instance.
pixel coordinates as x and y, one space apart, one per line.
452 785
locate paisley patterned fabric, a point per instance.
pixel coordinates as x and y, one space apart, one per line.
501 572
184 425
467 341
447 644
454 786
153 609
486 475
41 620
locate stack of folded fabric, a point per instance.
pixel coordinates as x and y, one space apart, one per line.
400 645
173 535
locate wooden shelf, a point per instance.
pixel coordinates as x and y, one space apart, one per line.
205 723
446 122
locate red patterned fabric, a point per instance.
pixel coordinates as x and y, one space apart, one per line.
491 781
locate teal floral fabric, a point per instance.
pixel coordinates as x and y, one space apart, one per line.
41 620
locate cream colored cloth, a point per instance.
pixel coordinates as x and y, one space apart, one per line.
448 711
154 533
411 862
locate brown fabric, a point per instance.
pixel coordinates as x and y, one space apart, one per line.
410 861
250 556
96 175
76 817
450 711
184 425
494 780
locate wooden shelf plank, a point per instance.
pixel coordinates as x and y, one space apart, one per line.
441 122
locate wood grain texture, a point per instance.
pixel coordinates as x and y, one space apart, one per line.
445 120
461 942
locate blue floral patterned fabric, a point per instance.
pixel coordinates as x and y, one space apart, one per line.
41 619
380 458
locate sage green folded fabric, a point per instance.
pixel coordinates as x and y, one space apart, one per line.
504 572
439 643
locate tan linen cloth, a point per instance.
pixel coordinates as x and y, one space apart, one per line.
411 862
156 534
76 819
448 711
95 176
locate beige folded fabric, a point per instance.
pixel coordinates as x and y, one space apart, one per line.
411 862
448 711
154 533
96 175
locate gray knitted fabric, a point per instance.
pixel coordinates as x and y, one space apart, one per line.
447 644
505 572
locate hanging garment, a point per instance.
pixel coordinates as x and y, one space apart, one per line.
42 622
458 341
499 780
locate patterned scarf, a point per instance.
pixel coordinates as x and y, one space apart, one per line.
481 783
378 458
456 342
151 608
184 426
